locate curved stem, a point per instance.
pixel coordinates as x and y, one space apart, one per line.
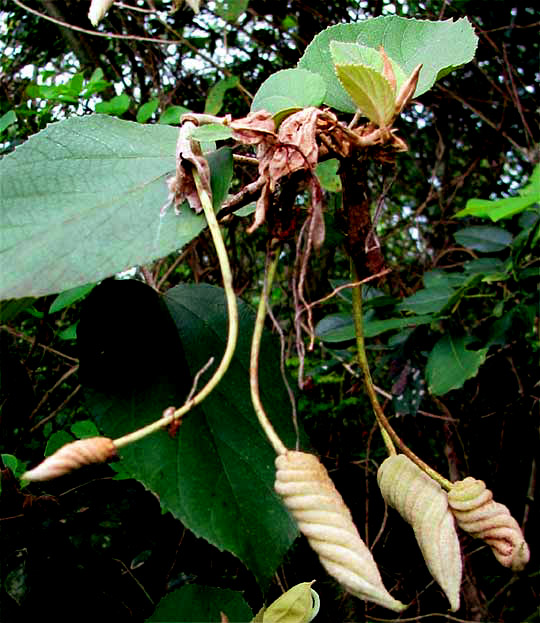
232 312
265 423
390 436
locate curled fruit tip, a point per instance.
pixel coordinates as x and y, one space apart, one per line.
478 514
72 456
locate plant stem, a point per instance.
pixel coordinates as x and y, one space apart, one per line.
265 423
390 437
232 312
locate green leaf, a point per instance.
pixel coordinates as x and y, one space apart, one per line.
90 204
340 327
216 95
484 238
67 298
505 208
440 46
438 278
376 327
202 604
171 115
147 110
336 328
13 463
327 172
370 91
427 301
451 363
56 441
7 119
212 132
84 429
484 266
116 106
217 474
296 88
230 10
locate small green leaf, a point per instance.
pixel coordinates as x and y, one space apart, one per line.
171 115
147 110
370 91
438 278
216 95
300 87
376 327
212 132
327 172
56 441
484 265
84 429
451 363
294 606
231 10
427 300
67 298
7 119
484 238
116 106
13 463
336 328
201 604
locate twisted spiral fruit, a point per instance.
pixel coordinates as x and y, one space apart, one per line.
322 516
424 504
477 513
72 456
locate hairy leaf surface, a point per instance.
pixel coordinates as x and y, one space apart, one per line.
81 200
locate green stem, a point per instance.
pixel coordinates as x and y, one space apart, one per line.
232 312
265 423
390 437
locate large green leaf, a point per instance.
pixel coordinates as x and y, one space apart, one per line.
217 475
451 363
202 604
82 200
439 46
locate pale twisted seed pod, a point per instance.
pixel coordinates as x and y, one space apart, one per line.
424 504
72 456
477 513
322 516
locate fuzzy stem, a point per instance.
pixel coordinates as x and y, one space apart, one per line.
265 423
232 312
390 436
